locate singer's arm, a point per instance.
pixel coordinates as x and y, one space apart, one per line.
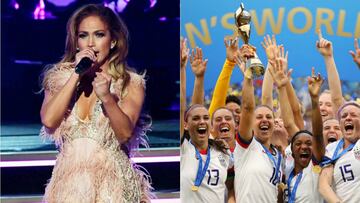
123 118
55 106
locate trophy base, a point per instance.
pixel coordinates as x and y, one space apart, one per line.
256 67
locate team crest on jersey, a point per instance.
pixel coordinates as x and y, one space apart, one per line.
356 151
288 154
222 160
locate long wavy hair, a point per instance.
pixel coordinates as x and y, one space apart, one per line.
118 31
216 143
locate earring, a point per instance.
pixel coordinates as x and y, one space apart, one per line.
77 49
113 44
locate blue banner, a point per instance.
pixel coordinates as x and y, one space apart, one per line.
206 22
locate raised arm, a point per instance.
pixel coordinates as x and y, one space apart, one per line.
281 78
326 50
223 82
198 67
267 89
293 100
247 107
295 104
184 53
314 84
325 182
271 50
233 56
356 54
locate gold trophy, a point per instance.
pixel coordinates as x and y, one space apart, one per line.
242 22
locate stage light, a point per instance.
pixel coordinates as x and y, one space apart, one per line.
61 3
16 5
39 12
163 18
117 6
152 3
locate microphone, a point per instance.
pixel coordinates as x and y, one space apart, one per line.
83 65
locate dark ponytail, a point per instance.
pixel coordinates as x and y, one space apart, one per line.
219 145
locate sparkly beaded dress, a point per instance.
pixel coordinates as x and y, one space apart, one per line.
91 165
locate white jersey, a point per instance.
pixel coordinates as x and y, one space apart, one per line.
231 172
346 175
307 190
232 151
254 174
289 160
212 188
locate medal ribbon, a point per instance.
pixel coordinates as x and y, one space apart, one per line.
337 156
276 164
201 171
292 193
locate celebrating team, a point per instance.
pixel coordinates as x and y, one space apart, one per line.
239 152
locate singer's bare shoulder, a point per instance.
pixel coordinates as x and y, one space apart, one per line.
136 81
56 75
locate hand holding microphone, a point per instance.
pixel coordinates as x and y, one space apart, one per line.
84 60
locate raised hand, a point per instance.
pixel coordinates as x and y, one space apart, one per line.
270 47
279 73
324 46
356 54
231 44
184 52
239 61
245 52
282 56
198 65
314 83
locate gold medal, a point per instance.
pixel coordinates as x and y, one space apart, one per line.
316 169
282 186
194 188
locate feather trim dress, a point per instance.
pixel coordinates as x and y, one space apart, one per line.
91 165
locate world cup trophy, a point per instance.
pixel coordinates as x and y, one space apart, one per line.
242 22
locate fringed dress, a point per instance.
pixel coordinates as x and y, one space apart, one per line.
91 165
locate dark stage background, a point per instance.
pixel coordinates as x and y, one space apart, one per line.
27 45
